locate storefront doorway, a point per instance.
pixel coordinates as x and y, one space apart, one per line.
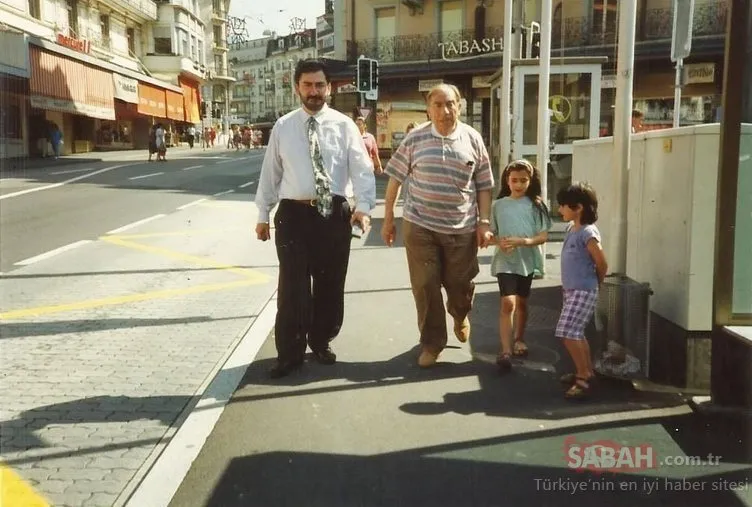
574 101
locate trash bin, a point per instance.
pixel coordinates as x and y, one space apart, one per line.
622 322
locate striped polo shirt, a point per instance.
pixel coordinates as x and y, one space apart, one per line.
441 176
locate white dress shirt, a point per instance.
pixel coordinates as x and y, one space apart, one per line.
287 171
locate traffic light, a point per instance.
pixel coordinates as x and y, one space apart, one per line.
535 45
374 74
202 110
363 78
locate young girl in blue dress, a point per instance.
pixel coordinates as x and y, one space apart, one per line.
520 223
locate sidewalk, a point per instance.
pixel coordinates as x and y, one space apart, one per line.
375 430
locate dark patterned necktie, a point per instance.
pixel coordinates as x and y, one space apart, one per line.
323 187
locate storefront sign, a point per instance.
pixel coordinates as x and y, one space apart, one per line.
465 49
425 85
347 88
126 89
81 45
699 73
73 107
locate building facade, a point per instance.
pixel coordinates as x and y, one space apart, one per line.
102 72
422 42
264 69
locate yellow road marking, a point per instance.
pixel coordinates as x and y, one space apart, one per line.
187 232
201 261
15 492
119 300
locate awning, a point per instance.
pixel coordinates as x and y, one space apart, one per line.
152 101
191 99
58 83
175 106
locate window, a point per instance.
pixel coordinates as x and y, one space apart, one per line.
219 65
218 36
162 46
104 25
130 34
450 16
604 19
35 10
72 7
10 121
386 23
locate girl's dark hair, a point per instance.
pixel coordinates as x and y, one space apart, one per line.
310 65
582 194
534 191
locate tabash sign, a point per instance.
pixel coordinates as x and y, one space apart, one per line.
81 45
466 49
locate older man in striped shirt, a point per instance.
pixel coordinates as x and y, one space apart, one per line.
448 180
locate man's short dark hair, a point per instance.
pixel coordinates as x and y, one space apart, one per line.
636 113
310 65
582 194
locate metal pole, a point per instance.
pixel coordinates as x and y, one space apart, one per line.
678 91
544 75
622 133
505 124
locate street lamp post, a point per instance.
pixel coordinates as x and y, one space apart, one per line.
292 85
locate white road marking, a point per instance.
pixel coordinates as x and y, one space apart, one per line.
135 224
60 184
145 176
247 184
166 474
70 171
192 167
226 161
223 193
52 253
192 203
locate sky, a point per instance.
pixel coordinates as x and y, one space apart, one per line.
275 15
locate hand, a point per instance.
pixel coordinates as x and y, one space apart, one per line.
262 231
378 170
509 243
388 231
362 219
485 235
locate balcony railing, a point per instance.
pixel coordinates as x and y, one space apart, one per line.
410 48
573 32
145 9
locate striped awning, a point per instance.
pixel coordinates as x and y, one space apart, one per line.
58 83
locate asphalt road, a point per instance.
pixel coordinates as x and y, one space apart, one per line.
124 285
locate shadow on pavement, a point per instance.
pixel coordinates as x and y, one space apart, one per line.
480 473
18 434
28 329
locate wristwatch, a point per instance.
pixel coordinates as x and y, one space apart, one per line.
484 221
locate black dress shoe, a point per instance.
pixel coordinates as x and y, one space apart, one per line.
325 356
284 368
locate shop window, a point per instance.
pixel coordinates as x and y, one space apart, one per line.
10 122
604 20
114 134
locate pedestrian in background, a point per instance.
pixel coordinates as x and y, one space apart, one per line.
159 134
520 223
447 176
56 139
153 141
313 152
583 268
371 146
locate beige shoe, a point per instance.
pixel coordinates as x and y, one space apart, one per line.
427 358
462 329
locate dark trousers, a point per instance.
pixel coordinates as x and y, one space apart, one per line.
313 253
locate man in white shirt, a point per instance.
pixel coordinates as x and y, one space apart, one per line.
312 155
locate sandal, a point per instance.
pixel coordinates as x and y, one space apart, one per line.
579 390
570 378
504 362
520 349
